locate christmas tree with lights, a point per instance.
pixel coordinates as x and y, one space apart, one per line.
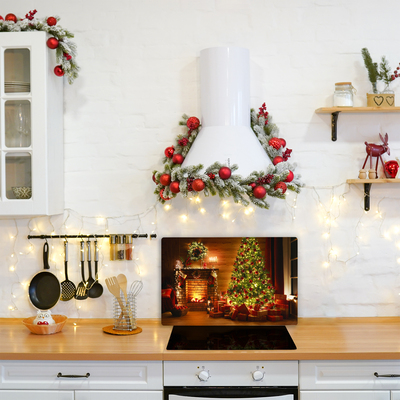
250 283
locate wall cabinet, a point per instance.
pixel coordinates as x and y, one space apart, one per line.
31 127
345 380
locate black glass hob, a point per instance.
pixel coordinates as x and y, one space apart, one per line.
230 338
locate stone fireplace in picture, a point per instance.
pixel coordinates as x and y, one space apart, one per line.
197 288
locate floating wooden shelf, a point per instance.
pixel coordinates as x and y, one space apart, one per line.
335 111
367 187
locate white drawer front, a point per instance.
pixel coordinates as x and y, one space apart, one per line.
395 395
35 395
345 395
118 395
349 375
123 375
234 373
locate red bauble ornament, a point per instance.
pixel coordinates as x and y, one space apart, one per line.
289 177
225 173
275 143
253 185
154 179
193 123
52 43
277 160
281 185
174 187
67 56
11 17
58 70
259 192
198 185
165 179
391 168
177 159
51 21
283 142
161 195
169 151
1 18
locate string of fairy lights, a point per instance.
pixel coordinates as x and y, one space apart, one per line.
328 216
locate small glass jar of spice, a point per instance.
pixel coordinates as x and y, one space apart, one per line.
128 247
343 95
120 247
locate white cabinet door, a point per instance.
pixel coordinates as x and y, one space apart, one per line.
345 395
35 395
118 395
395 395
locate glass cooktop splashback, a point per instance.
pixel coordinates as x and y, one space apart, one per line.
231 281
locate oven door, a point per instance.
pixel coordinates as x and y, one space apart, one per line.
230 393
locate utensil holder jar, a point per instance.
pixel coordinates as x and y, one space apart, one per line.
125 317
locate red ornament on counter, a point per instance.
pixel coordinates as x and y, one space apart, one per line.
174 187
58 70
52 43
169 151
51 21
275 143
198 185
391 168
259 192
283 142
193 123
225 173
281 185
289 177
165 179
277 160
177 159
161 195
11 17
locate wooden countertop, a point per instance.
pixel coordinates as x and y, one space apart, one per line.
315 338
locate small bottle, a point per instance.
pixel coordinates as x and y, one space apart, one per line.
128 247
113 247
343 95
120 247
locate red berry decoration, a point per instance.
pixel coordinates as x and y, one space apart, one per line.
174 187
165 179
51 21
259 192
169 151
289 177
11 17
67 56
275 143
52 43
211 176
277 160
161 195
198 185
283 142
177 159
281 185
193 123
58 70
225 173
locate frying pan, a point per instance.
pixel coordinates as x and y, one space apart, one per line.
45 288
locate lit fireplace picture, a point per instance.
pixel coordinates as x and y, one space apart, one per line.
225 281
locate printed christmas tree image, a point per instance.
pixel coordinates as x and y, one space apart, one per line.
250 282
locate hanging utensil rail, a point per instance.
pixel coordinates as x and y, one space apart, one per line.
134 236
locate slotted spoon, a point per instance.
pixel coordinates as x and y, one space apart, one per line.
68 288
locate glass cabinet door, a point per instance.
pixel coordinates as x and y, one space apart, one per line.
17 123
18 176
17 67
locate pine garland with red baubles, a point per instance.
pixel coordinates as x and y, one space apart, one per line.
60 40
219 178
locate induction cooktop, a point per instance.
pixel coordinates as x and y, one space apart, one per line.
230 338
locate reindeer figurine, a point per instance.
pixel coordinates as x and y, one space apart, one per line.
376 150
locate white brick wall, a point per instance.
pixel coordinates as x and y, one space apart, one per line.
139 74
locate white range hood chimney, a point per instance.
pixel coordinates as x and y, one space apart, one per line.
226 135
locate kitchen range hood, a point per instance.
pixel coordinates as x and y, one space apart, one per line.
226 135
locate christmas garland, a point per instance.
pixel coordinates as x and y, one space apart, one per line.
197 251
218 178
65 48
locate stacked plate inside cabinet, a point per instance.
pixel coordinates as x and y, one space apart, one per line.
17 87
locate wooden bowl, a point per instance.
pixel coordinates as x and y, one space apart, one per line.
60 321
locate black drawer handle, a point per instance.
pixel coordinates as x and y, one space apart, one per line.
386 376
60 375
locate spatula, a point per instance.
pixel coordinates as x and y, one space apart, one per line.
123 284
115 290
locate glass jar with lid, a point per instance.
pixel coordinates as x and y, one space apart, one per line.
343 95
